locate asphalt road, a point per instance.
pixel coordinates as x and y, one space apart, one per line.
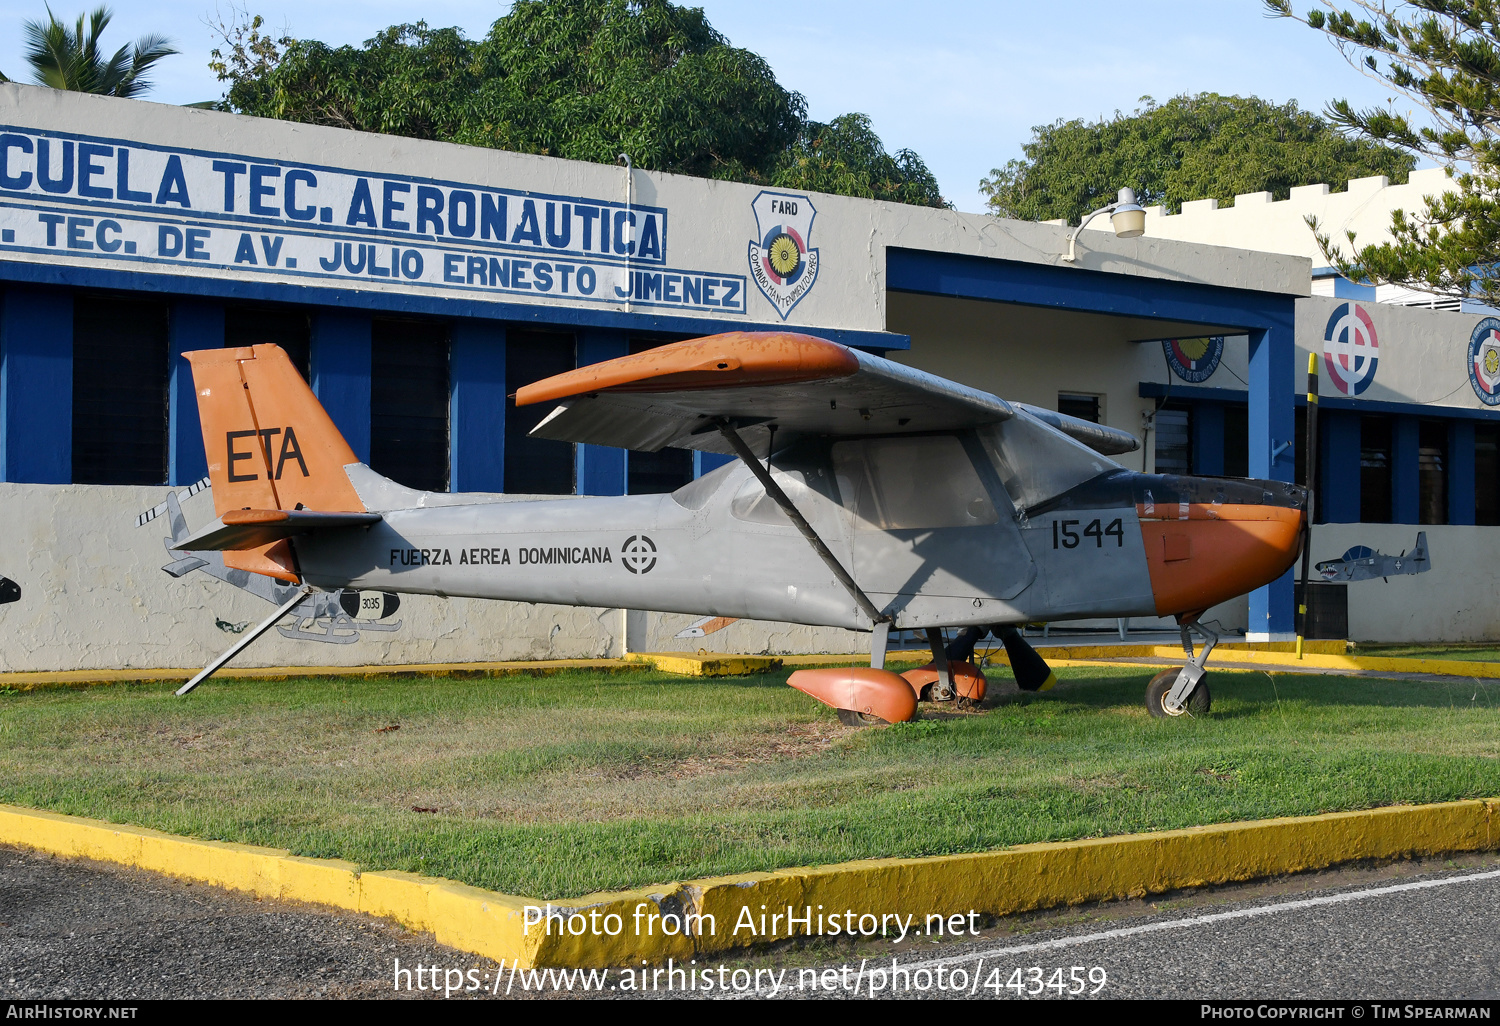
73 929
1408 931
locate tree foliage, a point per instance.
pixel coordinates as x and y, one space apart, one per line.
845 156
71 58
582 79
1191 147
1444 56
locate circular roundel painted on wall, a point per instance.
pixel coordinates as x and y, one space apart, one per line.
1484 361
1194 359
1351 350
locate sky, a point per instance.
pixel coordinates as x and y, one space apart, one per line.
961 82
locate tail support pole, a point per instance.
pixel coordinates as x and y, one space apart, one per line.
239 646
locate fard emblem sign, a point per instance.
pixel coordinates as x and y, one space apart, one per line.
781 258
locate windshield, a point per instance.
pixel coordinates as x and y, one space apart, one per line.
1037 462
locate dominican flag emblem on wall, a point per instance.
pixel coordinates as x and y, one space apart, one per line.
1484 361
781 258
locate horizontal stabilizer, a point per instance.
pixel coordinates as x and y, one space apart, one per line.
252 528
675 394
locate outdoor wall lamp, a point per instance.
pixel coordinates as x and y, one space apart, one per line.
1128 217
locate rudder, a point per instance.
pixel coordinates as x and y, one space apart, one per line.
269 444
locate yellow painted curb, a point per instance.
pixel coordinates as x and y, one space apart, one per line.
706 665
670 662
29 681
1239 648
1239 660
1018 879
1269 654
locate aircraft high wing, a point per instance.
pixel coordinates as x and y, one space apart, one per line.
776 388
924 503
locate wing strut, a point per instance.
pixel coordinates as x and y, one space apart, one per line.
265 625
780 498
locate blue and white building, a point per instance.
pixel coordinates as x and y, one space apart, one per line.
419 284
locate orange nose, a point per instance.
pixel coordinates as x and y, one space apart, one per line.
1203 553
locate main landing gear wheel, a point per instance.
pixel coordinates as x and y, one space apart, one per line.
850 718
1197 704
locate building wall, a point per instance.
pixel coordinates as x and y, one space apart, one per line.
1257 223
1452 602
703 227
1423 354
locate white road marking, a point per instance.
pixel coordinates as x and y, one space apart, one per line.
1215 917
1183 924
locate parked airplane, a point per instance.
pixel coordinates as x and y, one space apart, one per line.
868 495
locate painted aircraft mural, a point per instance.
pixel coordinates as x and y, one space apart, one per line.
1362 563
334 618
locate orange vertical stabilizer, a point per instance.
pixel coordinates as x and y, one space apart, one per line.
269 442
270 445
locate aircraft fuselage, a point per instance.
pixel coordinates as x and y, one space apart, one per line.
1123 544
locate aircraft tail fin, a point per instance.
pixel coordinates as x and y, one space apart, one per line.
1419 552
270 446
269 442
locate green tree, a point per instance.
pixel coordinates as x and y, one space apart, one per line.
1191 147
582 79
846 157
1444 56
71 58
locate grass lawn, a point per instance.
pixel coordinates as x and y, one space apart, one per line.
556 786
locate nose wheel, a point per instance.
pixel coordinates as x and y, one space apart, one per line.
1183 692
1198 700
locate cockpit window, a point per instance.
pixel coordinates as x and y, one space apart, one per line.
1037 462
923 482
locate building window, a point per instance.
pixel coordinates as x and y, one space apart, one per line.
1375 470
1432 472
287 327
1074 404
535 466
409 403
1236 441
1487 475
1174 440
666 470
119 391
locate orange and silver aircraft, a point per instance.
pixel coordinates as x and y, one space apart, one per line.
867 495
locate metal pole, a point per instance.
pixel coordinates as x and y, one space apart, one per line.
1311 467
778 496
239 646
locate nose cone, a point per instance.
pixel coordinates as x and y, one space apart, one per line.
1210 539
